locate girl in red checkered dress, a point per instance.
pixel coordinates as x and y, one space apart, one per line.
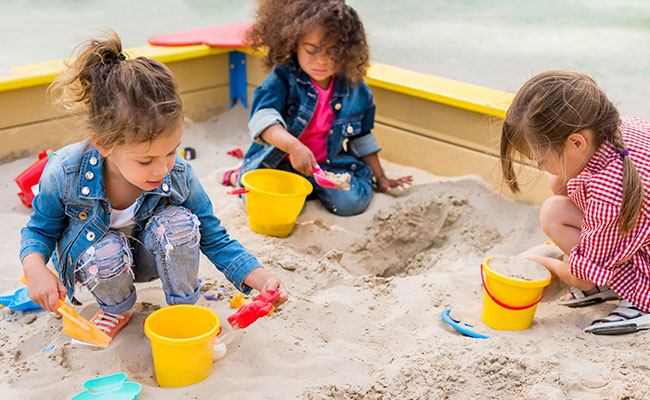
599 167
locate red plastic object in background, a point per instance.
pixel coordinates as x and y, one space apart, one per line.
27 181
236 152
261 306
228 35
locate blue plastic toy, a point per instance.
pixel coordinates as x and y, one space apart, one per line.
113 387
456 324
19 301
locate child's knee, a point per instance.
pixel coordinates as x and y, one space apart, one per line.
175 226
553 211
106 270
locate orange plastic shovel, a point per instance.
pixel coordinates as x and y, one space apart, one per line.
78 327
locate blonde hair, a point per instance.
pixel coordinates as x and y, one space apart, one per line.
122 100
547 110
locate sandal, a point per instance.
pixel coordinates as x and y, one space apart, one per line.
111 324
624 319
226 176
581 299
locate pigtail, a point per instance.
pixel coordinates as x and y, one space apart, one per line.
507 152
633 192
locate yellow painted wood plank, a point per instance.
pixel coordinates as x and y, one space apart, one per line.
434 88
45 72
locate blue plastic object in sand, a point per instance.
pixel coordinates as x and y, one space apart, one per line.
19 301
113 387
461 326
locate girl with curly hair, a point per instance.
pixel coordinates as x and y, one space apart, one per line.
314 109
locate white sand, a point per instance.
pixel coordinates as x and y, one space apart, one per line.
363 319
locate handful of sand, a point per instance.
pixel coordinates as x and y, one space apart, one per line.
516 267
340 180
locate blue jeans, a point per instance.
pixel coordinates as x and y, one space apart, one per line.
167 248
340 202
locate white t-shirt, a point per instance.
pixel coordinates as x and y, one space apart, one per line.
122 220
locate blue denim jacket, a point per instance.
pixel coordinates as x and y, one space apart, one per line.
72 212
287 97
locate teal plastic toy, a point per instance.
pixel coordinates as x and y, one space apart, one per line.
113 387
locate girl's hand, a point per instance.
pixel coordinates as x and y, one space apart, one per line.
263 280
386 185
302 159
44 288
561 269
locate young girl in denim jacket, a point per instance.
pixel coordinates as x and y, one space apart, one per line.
123 206
314 109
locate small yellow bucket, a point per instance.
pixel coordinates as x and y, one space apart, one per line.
274 198
182 341
510 304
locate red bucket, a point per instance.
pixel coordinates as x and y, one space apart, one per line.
27 181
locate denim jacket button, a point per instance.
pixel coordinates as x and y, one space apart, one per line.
330 132
337 106
85 190
90 236
165 187
350 129
83 216
353 167
93 160
90 175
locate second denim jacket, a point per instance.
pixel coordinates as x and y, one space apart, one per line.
287 97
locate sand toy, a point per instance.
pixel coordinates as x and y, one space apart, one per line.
27 181
19 301
109 387
331 180
261 306
76 326
460 326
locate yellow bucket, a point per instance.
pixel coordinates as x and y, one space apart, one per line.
182 341
274 199
510 304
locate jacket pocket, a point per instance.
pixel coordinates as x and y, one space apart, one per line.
350 128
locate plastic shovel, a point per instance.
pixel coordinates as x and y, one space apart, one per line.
78 327
320 177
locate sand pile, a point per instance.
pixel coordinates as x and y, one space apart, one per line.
363 319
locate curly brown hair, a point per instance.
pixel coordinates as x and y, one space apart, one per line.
121 100
279 25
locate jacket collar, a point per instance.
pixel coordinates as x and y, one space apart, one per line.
91 178
341 89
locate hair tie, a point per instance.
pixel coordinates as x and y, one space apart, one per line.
624 153
121 57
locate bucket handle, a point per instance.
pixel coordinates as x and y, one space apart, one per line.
513 307
238 191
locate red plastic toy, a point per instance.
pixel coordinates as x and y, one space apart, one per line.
261 306
27 181
237 153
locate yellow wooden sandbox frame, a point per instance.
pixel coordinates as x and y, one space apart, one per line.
447 127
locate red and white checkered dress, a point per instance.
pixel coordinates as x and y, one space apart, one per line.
603 256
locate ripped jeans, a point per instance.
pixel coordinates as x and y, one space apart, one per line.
167 248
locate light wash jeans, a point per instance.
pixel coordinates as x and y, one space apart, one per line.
167 248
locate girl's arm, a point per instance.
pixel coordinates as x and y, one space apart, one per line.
44 288
561 269
263 280
302 159
384 184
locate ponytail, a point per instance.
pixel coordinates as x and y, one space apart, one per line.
122 100
633 193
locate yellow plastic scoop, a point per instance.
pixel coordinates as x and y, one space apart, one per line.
78 327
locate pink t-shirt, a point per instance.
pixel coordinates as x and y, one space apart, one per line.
315 134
